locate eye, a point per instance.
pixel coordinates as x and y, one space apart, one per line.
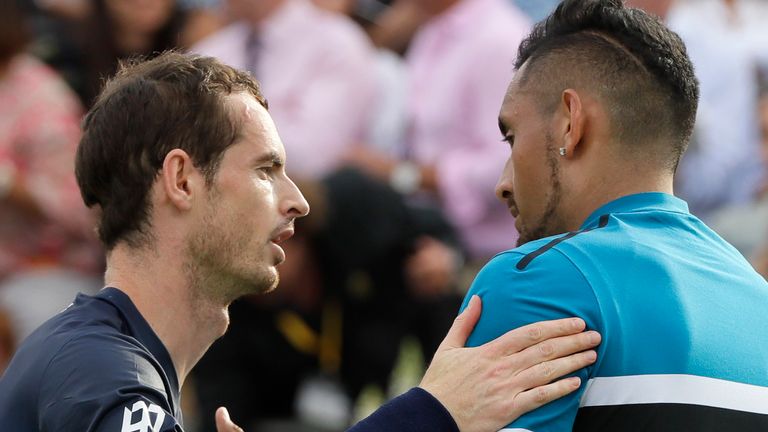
509 139
266 171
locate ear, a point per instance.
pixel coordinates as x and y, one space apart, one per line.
572 122
180 179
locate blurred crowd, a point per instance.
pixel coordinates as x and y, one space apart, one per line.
388 112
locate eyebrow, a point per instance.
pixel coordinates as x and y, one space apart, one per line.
271 156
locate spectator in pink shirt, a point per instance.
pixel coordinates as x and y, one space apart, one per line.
317 71
47 248
458 65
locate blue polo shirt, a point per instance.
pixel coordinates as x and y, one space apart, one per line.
683 316
96 366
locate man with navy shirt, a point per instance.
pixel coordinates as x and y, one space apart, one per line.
597 116
184 164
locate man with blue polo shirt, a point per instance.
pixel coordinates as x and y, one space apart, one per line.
597 116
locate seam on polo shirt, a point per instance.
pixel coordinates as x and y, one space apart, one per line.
523 263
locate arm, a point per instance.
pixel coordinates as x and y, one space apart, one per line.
550 287
482 389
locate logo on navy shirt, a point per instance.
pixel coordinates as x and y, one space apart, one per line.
143 418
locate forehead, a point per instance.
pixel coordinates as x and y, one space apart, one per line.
256 127
515 99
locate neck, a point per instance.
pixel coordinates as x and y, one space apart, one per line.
185 323
598 191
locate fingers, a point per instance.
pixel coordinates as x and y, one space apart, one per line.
545 372
518 339
224 423
557 347
536 397
463 325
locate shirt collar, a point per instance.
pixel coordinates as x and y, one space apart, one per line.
647 201
140 329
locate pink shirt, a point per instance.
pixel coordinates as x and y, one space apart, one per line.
39 133
318 73
460 64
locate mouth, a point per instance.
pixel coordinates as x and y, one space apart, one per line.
282 236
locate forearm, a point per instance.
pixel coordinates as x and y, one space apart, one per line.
414 411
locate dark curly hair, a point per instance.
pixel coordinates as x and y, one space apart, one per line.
638 66
148 109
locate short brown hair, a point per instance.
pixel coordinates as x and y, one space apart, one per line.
148 109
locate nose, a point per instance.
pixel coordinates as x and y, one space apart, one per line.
294 203
505 186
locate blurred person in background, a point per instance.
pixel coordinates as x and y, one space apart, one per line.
318 73
85 39
458 66
47 248
746 225
386 124
120 29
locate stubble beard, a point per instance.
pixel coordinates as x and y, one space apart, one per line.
550 222
222 266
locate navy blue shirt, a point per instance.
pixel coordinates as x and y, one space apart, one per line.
96 366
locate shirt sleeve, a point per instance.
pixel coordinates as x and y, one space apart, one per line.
415 411
549 287
104 383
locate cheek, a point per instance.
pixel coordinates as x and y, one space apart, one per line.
530 186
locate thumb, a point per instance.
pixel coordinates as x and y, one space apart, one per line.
224 423
463 325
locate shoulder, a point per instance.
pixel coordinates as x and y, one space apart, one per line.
106 356
104 378
539 259
533 272
538 281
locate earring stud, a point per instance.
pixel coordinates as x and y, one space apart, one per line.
562 151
